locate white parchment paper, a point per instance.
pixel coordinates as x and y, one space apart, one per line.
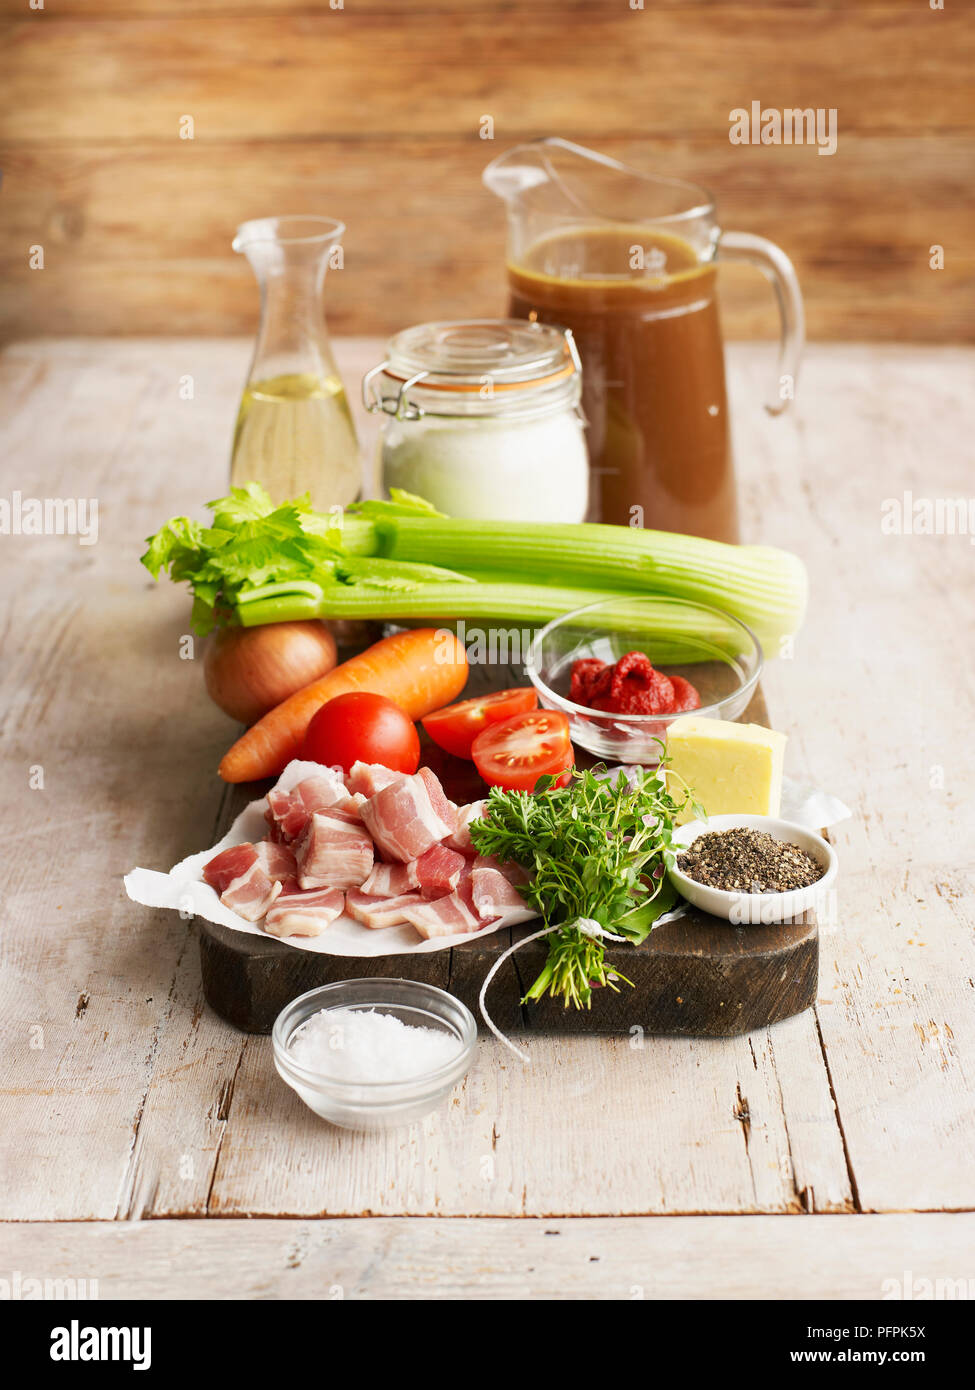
183 888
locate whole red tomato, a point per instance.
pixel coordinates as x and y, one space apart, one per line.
360 727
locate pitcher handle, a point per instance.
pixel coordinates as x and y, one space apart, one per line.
775 265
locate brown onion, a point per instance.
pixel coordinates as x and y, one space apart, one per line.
249 670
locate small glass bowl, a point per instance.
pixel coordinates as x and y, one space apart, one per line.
716 652
376 1104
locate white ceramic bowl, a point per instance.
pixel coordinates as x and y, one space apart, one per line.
750 909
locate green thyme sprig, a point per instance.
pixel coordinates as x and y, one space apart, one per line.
597 850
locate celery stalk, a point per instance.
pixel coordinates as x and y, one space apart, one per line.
531 604
401 560
762 585
678 636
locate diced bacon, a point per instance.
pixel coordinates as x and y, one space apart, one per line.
327 784
367 779
441 803
389 880
321 793
403 819
335 852
439 871
513 872
229 864
446 917
238 875
461 838
251 895
379 912
495 896
286 814
348 813
304 914
277 861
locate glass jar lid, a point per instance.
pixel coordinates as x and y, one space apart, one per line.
476 367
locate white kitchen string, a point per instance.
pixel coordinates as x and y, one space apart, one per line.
588 925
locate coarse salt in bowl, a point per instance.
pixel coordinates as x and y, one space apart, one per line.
374 1053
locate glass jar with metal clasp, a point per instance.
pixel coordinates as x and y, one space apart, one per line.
483 419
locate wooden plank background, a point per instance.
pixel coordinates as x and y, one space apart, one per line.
371 113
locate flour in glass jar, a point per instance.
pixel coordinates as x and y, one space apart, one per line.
361 1045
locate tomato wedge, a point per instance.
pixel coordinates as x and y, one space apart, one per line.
456 727
516 752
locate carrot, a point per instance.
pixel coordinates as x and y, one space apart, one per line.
421 670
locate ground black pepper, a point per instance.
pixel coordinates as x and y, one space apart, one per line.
748 861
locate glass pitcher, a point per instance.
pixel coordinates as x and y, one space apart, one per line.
628 262
294 431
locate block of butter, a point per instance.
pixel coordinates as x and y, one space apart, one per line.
729 767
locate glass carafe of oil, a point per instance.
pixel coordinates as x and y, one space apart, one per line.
294 431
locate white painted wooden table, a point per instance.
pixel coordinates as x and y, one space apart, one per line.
767 1165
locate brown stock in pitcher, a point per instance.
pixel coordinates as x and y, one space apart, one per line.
653 373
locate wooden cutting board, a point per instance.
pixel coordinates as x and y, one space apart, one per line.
697 976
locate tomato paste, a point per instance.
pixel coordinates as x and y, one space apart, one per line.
631 686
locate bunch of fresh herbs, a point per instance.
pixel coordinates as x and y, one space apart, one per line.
597 850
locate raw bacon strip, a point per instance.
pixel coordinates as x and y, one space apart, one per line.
288 812
277 860
273 829
514 873
285 812
441 803
495 896
229 864
238 875
461 838
369 778
445 917
439 871
379 912
404 820
304 914
389 880
322 793
251 895
335 852
286 815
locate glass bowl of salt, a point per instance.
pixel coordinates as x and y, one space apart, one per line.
374 1053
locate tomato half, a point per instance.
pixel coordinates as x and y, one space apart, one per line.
516 752
456 727
362 727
